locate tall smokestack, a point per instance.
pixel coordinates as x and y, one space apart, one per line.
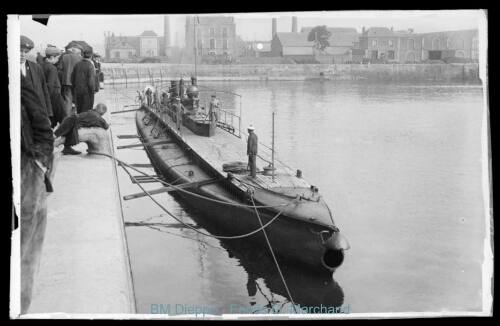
274 27
166 35
294 24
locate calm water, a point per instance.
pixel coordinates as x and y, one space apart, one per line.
398 164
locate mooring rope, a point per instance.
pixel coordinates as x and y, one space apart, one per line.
180 189
180 221
274 257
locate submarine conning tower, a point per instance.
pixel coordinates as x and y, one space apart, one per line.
192 90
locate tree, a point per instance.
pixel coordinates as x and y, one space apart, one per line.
320 36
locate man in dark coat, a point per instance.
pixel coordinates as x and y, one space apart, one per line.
34 73
37 144
39 58
252 145
52 54
69 127
69 59
83 81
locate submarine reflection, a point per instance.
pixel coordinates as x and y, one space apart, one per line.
306 287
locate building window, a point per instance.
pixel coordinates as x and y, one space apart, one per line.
423 42
199 53
435 44
224 53
212 43
224 31
212 53
224 43
374 42
117 54
410 57
411 44
460 54
461 44
200 44
476 44
391 55
130 55
391 43
212 31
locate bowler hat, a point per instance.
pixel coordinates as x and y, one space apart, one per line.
250 127
26 42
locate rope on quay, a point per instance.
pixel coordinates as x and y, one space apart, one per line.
274 257
123 164
125 95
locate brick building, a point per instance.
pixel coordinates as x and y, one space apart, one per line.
406 46
214 35
296 45
148 44
292 45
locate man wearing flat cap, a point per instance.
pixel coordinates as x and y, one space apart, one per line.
252 145
37 145
66 65
52 55
34 73
84 83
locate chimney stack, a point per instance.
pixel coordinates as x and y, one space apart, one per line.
294 24
166 35
274 27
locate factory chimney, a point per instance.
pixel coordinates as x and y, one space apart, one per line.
166 36
294 24
274 27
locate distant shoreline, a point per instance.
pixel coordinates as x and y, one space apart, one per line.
115 73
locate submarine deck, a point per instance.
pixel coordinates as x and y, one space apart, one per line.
223 148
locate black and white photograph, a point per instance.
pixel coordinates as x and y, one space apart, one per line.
250 165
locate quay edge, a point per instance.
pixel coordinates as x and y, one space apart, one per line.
145 73
85 267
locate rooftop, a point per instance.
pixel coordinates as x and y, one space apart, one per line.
333 30
148 33
293 39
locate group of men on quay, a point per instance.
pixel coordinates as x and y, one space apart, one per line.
57 98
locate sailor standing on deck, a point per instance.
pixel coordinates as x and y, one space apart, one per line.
178 109
214 106
252 151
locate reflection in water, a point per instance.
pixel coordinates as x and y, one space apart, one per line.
394 158
307 289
